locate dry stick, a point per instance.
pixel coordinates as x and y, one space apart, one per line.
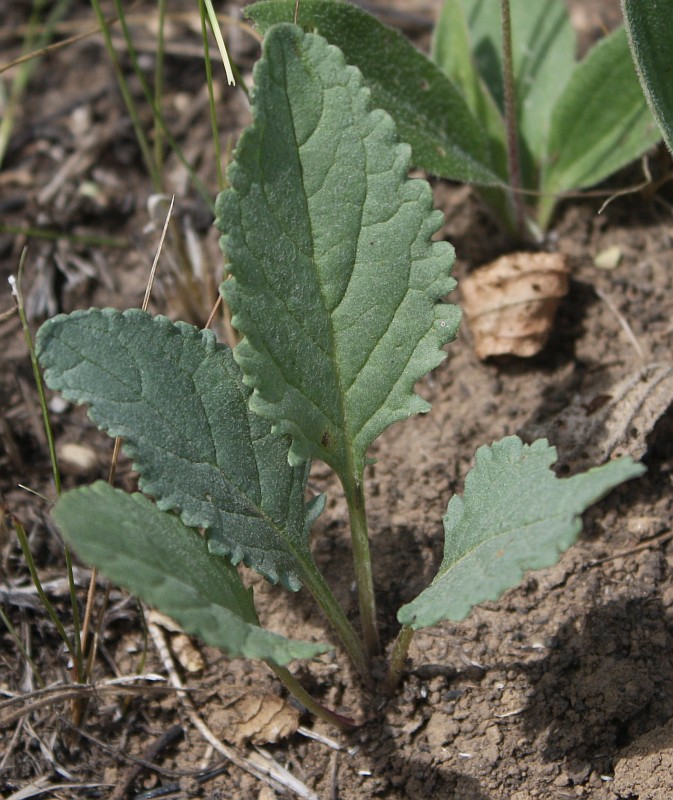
639 548
513 165
151 752
270 772
58 694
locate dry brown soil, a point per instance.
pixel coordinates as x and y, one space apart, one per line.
561 689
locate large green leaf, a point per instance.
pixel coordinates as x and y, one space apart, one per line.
336 284
515 515
649 24
600 123
178 400
167 564
429 111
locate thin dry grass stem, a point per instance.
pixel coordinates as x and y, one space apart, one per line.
12 744
155 263
22 650
51 695
42 788
649 544
262 767
628 330
149 45
129 775
645 163
213 311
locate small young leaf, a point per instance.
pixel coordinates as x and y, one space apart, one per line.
336 284
515 515
178 400
155 556
649 24
430 113
600 123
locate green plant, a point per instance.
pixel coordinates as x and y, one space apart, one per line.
336 288
567 125
649 24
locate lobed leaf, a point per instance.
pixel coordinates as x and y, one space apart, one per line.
336 285
177 398
155 556
649 24
515 515
600 122
430 113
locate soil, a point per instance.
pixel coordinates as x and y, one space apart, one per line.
561 689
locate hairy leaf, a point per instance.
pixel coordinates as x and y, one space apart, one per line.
429 111
336 284
649 24
167 564
600 122
515 515
178 400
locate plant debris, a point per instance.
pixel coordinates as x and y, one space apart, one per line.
612 423
511 302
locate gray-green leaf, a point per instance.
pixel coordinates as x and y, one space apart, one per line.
649 24
168 565
178 400
600 123
336 283
515 515
429 111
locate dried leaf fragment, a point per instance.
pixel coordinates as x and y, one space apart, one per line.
185 651
510 303
613 422
256 718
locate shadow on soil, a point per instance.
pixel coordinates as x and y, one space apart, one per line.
607 680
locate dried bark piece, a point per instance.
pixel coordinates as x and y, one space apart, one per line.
256 718
510 303
611 423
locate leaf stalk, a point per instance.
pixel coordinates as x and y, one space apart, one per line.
311 704
362 562
398 658
317 585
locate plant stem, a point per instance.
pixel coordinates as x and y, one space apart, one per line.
513 163
317 585
355 499
398 657
299 693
